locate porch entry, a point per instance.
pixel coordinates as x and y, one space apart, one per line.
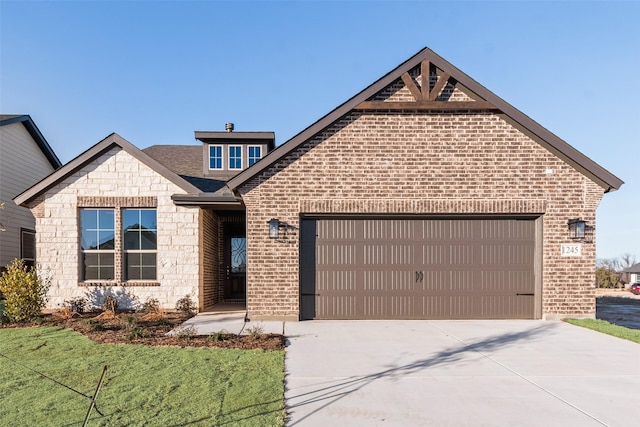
235 263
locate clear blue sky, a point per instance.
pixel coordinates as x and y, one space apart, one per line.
155 72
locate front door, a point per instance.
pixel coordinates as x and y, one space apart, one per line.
235 284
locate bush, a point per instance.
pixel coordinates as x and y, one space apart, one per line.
186 305
110 304
77 305
24 291
151 306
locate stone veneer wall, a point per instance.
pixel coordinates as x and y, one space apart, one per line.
117 179
388 162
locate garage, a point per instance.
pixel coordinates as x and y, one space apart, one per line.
427 268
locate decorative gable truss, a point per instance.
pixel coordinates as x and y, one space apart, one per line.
448 89
440 93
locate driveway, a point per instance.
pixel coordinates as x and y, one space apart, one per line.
458 373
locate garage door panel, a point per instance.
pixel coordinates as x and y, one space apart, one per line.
435 254
337 308
336 280
436 307
335 254
506 307
463 281
418 268
435 281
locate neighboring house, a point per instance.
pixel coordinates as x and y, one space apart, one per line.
423 196
25 158
633 273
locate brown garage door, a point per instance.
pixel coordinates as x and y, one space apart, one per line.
417 268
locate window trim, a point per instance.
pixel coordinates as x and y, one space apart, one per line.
239 147
221 147
126 252
23 232
259 147
99 251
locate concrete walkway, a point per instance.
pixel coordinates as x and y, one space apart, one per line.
232 322
449 373
458 373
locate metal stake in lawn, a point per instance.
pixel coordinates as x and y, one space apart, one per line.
95 396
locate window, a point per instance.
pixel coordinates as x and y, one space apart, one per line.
215 157
140 243
97 244
28 246
235 157
255 154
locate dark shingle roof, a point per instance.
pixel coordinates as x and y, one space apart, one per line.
180 159
635 268
185 161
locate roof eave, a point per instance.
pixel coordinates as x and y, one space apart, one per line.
207 199
90 155
37 136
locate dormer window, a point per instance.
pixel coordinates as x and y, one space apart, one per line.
255 153
215 157
235 157
226 154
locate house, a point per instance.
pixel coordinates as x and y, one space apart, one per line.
633 273
424 196
25 158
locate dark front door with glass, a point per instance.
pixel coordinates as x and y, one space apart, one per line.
235 284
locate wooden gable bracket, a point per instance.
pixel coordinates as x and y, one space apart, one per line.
425 97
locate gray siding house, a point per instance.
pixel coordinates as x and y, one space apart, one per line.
25 159
424 196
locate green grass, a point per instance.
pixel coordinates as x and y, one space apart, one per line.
151 386
607 328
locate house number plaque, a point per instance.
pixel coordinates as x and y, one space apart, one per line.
574 249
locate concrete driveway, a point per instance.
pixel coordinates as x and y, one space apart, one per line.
458 373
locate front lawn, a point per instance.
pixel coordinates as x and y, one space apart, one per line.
607 328
151 386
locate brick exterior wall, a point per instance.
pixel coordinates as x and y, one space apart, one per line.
210 249
419 163
116 180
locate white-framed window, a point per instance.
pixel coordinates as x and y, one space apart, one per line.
235 157
216 160
255 154
28 246
140 243
97 240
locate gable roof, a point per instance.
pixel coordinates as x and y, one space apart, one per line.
472 88
111 141
29 124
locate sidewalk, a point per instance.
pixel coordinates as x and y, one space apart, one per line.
232 322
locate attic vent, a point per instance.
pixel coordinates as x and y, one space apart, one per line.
228 127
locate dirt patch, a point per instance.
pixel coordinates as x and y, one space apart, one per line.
140 328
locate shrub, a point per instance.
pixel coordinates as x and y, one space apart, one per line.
218 336
110 304
151 306
255 331
95 326
186 305
185 332
24 291
78 304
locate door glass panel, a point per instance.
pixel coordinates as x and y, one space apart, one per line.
238 254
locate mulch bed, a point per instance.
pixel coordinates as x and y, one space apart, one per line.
149 329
